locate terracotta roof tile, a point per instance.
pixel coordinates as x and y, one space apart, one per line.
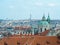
22 28
31 40
44 33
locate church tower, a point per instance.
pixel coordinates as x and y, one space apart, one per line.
43 18
48 19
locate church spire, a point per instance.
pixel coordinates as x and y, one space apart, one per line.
43 18
48 19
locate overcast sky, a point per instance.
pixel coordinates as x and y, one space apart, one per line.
21 9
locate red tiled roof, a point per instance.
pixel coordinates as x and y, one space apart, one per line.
46 40
22 27
44 33
31 40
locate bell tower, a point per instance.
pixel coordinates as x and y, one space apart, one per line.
48 19
43 18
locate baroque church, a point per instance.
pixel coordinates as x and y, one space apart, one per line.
42 26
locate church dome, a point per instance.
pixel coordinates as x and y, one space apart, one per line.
43 23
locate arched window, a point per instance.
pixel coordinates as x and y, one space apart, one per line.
41 29
45 29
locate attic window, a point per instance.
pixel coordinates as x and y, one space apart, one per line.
5 43
58 42
37 44
47 42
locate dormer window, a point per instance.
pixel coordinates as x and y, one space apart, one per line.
37 44
47 42
5 43
26 44
58 42
18 43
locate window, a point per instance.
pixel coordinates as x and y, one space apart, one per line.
45 29
58 37
41 29
5 43
58 42
18 43
37 44
26 44
26 32
18 33
47 42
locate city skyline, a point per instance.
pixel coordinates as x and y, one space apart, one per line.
21 9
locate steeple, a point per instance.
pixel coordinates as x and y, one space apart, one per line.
48 19
43 18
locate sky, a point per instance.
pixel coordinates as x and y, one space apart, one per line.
22 9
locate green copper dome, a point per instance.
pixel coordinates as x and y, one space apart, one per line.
43 23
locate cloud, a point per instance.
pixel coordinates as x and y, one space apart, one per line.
38 3
52 4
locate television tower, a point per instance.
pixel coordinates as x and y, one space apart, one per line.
30 20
